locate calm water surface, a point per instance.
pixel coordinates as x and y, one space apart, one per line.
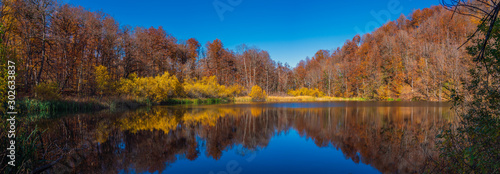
315 137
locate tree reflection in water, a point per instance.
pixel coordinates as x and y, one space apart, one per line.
392 139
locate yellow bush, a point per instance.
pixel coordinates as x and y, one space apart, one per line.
232 91
167 86
157 88
103 80
47 91
208 87
258 94
306 92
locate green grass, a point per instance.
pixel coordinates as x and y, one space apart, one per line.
37 106
392 99
44 109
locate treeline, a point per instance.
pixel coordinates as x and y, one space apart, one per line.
414 57
411 58
63 44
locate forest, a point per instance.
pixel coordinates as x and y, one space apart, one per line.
66 48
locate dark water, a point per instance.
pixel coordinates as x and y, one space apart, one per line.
324 137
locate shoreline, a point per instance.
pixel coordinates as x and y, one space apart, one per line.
91 104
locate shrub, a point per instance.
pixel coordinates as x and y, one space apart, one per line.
166 86
158 89
208 87
47 91
258 94
233 90
306 92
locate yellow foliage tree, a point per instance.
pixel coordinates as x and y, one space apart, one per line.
208 87
103 80
127 85
382 93
258 94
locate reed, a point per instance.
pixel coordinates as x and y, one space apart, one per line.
39 106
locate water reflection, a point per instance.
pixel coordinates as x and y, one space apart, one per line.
392 138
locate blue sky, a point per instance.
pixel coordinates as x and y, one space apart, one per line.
289 30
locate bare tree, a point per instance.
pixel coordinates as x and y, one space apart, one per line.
485 10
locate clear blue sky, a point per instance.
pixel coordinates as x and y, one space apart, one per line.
290 30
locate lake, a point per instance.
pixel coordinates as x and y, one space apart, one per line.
308 137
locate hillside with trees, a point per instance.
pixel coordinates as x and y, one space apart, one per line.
414 57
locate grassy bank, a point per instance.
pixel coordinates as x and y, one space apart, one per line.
30 106
34 105
298 99
41 107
